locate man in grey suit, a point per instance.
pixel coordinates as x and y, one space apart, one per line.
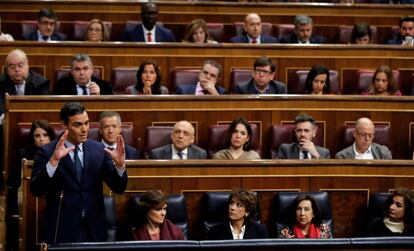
262 80
304 148
182 138
364 147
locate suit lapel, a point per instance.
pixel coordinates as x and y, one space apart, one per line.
69 166
295 151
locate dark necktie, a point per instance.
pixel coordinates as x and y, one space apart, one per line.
111 148
84 92
78 164
305 154
254 41
45 38
180 154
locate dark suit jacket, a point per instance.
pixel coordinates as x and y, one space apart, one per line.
291 151
293 39
168 231
87 194
36 84
253 231
397 41
263 39
378 151
165 152
191 89
57 36
131 152
247 87
67 86
136 34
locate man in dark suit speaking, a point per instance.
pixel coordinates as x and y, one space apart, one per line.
69 172
182 138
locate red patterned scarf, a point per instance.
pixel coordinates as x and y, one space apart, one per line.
314 232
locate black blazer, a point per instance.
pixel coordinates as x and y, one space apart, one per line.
254 230
293 39
86 195
56 36
67 86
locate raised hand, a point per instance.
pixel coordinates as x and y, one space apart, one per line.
307 145
118 154
94 88
61 150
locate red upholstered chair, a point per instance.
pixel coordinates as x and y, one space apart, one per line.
284 29
217 134
364 79
285 133
184 76
216 31
23 137
239 75
79 29
122 77
156 136
345 33
267 28
127 132
30 26
297 78
382 135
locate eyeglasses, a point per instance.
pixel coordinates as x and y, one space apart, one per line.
365 135
260 71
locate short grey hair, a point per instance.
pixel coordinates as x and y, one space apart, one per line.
80 57
108 114
302 20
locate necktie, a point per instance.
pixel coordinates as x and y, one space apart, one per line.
305 154
111 148
254 41
149 37
84 92
19 90
45 38
180 154
78 164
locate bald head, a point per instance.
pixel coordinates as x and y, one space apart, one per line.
17 66
253 25
364 122
364 134
182 135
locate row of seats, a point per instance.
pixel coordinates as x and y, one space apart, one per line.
215 210
156 136
218 31
354 81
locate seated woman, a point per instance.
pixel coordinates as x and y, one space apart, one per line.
156 226
305 220
148 80
238 142
242 207
96 31
41 133
399 216
361 34
383 83
317 81
197 32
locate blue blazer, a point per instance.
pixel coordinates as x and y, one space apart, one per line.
263 39
136 34
397 41
293 39
247 87
86 195
57 36
131 152
191 89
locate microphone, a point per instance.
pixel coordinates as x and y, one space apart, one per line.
58 216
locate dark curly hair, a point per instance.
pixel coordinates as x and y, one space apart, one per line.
239 120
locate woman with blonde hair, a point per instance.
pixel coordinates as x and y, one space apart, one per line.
96 31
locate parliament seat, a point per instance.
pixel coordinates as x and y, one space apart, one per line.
127 132
361 80
239 75
297 80
156 136
64 71
345 34
282 206
80 29
184 76
382 135
285 133
376 205
284 29
267 28
111 218
216 31
217 135
30 26
123 77
176 212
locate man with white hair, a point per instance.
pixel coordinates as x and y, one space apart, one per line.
364 147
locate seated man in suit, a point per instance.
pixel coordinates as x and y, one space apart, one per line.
253 32
109 129
207 81
46 24
303 32
182 138
145 32
304 148
262 81
19 80
364 147
406 33
81 80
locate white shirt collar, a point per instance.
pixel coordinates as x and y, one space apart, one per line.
237 236
108 145
175 151
365 155
152 33
40 37
251 39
